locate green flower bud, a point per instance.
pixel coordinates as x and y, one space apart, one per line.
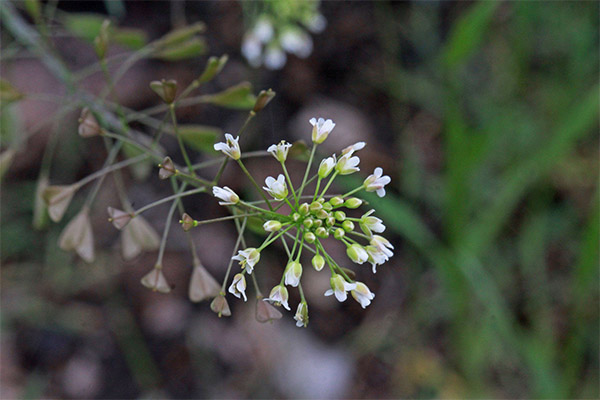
308 222
327 206
318 262
272 226
339 215
322 233
310 237
353 202
330 221
339 233
304 209
321 200
317 223
348 225
315 206
296 217
322 214
336 201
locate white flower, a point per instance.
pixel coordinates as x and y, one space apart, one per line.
301 316
230 148
347 164
279 296
292 274
276 188
280 150
297 42
382 245
362 294
357 253
376 257
228 196
248 259
355 147
252 49
238 286
339 287
275 58
375 182
321 129
263 30
326 166
370 224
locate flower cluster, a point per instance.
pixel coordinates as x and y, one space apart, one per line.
308 220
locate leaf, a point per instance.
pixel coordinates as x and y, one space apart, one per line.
192 47
34 9
238 97
181 35
199 137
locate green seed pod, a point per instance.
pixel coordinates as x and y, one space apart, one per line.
339 233
353 202
348 225
336 201
310 237
339 215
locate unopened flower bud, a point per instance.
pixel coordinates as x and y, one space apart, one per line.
167 168
322 233
310 237
315 206
339 215
339 233
156 280
293 272
272 226
265 312
336 201
301 316
318 262
326 167
316 223
330 221
322 214
303 209
88 124
118 218
263 98
220 306
357 253
296 217
321 200
166 89
327 206
353 202
187 222
308 222
348 225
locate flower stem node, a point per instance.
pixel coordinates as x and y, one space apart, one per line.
336 201
322 232
230 147
276 187
292 274
187 222
362 294
248 258
279 296
88 124
339 287
339 233
280 150
238 286
326 166
156 280
165 89
310 237
272 226
357 253
353 202
118 218
167 169
304 209
318 262
228 196
220 306
301 316
321 129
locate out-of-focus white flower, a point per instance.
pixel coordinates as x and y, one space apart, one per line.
301 316
137 236
263 30
316 23
296 41
362 294
77 236
228 196
276 188
248 259
347 164
355 147
376 182
357 253
326 167
370 224
321 129
230 147
238 286
272 226
292 274
252 49
280 150
202 284
275 58
339 287
279 296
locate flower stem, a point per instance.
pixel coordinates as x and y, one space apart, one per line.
180 141
227 218
169 198
329 183
235 249
255 184
310 159
287 176
163 242
251 115
353 191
